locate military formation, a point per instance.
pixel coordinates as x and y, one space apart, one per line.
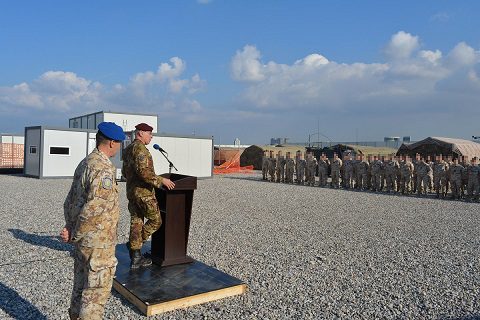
445 177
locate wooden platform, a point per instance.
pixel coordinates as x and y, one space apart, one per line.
156 289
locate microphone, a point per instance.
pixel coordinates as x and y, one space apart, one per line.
157 147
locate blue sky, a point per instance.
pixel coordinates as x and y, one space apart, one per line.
247 69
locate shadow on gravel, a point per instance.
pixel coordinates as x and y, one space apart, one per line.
16 306
51 242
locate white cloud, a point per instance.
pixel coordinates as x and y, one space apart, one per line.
157 91
204 1
408 79
402 45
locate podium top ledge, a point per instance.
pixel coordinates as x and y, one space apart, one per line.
182 182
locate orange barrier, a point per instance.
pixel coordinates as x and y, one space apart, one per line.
232 166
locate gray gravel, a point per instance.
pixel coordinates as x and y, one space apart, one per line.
305 252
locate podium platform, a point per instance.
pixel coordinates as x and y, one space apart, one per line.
157 289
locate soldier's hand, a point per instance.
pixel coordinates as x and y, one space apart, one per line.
168 183
65 235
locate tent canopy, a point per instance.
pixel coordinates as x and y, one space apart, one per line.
432 146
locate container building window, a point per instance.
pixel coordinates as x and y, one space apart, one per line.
65 151
33 149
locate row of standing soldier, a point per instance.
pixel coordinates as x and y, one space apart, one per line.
378 173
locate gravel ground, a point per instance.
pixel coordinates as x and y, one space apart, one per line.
304 252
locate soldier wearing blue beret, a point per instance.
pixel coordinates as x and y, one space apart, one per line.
91 213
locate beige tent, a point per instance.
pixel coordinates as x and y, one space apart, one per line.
432 146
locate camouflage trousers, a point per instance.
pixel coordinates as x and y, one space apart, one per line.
264 173
406 183
92 282
141 209
349 177
280 174
300 175
362 182
456 185
391 182
336 178
288 175
377 182
440 183
271 171
322 177
422 184
473 187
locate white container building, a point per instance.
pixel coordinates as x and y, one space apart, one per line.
55 152
127 121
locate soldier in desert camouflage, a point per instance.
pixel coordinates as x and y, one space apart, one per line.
289 167
348 170
142 203
301 165
265 165
391 168
323 164
473 173
280 167
456 173
406 175
272 164
362 173
335 172
440 169
91 212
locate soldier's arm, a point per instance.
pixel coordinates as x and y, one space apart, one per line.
100 193
144 169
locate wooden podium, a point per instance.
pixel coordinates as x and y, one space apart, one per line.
174 280
169 243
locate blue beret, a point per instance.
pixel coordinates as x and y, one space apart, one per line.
111 131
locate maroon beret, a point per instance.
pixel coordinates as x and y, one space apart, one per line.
144 127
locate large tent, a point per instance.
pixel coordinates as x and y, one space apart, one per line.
432 146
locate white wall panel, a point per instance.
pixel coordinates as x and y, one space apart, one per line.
129 121
63 165
191 156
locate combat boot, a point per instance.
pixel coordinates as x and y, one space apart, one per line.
138 260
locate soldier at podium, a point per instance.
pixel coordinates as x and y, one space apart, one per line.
141 183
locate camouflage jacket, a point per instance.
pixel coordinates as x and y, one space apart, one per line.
91 208
290 164
392 167
362 167
440 169
406 168
336 164
138 171
323 164
456 171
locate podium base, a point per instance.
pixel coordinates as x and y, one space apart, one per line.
157 289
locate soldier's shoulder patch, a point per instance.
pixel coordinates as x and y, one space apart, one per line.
107 183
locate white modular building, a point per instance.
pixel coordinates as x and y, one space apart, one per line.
55 152
127 121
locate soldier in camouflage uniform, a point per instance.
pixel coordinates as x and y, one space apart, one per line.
473 180
456 172
406 175
430 173
423 171
307 165
466 164
348 165
362 173
312 169
323 164
289 167
265 165
272 164
440 169
369 172
142 203
377 165
280 168
335 172
301 165
91 214
391 168
414 180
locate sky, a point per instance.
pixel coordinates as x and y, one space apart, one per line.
333 70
